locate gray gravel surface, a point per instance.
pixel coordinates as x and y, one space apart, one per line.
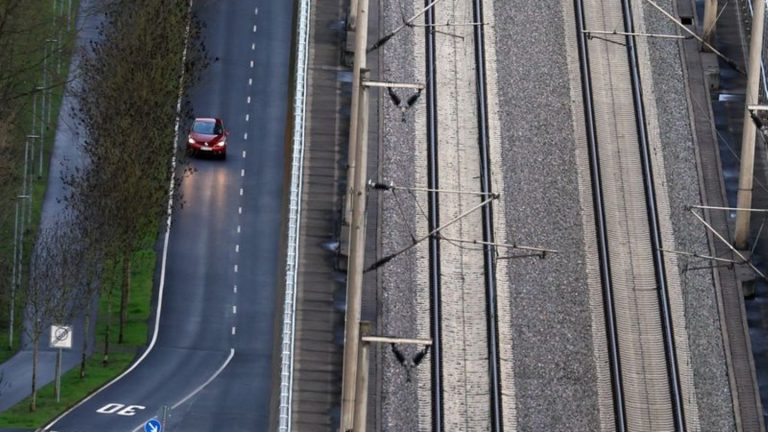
398 310
702 319
554 366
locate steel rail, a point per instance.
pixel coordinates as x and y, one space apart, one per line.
489 250
653 221
433 209
600 223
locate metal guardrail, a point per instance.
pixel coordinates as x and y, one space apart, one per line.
294 213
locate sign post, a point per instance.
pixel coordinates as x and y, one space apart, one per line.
61 338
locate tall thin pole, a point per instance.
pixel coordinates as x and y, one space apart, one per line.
356 258
710 20
361 41
58 375
13 274
744 196
355 208
361 402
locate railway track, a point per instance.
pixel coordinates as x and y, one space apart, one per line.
647 393
481 410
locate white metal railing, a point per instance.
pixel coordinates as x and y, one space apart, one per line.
294 221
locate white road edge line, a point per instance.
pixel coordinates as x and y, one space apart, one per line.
201 387
213 377
169 212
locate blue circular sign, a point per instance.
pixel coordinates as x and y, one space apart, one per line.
153 426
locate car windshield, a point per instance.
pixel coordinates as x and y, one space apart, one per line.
203 127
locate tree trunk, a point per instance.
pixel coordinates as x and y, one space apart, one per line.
35 351
86 326
105 361
125 293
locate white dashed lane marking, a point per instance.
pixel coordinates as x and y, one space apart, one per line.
237 248
241 191
239 210
256 11
254 28
243 154
233 331
234 309
238 228
253 46
242 173
247 117
251 63
245 136
235 268
248 99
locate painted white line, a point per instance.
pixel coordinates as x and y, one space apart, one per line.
238 228
234 330
243 154
242 172
239 210
256 11
250 81
213 377
234 309
169 213
253 46
235 289
247 117
248 99
251 64
245 136
254 28
235 268
237 248
241 191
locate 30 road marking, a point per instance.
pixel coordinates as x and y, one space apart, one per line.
120 409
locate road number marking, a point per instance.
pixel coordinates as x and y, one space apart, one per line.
120 409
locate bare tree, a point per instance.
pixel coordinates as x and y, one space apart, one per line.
49 294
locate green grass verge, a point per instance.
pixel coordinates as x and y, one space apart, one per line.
73 388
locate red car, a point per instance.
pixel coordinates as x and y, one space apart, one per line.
208 136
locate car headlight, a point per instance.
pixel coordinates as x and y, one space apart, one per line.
191 141
221 143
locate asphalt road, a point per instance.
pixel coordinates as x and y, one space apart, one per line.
212 361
